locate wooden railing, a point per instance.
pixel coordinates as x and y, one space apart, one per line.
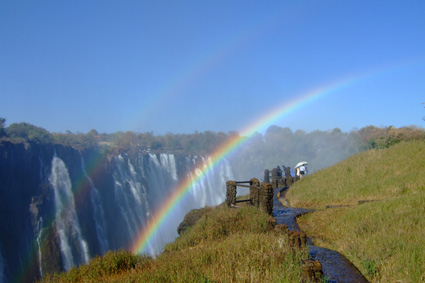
260 194
278 178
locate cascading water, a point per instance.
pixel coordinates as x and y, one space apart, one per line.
162 173
76 215
130 195
40 257
142 184
209 189
98 213
73 247
168 162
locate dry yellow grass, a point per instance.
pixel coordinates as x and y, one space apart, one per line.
226 245
384 237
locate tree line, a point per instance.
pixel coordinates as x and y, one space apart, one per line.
277 146
198 142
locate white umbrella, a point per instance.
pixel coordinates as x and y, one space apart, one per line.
301 164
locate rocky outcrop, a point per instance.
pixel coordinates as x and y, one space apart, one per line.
191 218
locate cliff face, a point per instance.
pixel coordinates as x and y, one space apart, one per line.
24 193
60 207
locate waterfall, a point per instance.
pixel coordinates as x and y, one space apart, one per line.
98 213
74 248
168 162
208 190
40 258
130 195
76 215
162 177
144 182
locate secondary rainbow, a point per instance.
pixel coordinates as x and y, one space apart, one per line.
161 214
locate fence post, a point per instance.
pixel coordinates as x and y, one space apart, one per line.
230 193
289 179
267 176
266 198
254 191
275 179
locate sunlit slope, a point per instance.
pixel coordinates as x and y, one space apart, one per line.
225 245
384 236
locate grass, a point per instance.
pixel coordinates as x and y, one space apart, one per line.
376 218
377 211
225 245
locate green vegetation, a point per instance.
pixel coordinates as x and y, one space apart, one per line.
196 143
99 269
277 146
371 206
28 132
376 211
225 245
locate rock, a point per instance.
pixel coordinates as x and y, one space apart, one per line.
297 239
191 218
311 271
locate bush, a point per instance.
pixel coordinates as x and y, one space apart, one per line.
29 133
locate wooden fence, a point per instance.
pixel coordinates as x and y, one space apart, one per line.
260 194
279 178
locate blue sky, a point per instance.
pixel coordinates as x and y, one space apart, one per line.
186 66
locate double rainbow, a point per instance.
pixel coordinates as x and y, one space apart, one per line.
168 206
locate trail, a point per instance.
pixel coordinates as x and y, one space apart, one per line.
335 267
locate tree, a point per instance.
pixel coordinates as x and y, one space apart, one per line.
29 133
128 140
156 145
93 133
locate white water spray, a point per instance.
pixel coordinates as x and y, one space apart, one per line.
73 247
98 213
130 195
40 258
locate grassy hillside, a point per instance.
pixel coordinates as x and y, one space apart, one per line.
225 245
371 208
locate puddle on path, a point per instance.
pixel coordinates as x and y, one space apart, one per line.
335 267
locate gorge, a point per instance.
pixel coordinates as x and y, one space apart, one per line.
61 206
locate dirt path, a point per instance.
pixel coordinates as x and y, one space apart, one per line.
335 267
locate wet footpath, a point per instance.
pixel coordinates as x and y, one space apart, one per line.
335 267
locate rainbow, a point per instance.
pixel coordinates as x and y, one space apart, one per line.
204 63
160 215
81 188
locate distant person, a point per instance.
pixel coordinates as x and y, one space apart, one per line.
279 171
303 171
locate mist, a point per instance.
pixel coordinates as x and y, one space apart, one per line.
284 147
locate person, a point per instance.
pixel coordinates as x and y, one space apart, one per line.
303 171
279 171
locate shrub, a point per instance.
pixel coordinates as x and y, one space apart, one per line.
29 133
